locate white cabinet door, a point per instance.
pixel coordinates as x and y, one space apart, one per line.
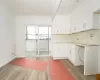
54 30
54 27
59 51
68 49
71 56
75 22
91 60
66 24
61 25
58 25
96 21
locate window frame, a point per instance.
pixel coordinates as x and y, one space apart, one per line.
49 38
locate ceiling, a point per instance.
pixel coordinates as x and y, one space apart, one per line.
44 7
35 7
67 6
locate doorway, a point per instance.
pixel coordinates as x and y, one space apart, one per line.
38 40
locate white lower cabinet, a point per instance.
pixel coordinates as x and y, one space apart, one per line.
60 51
86 55
91 60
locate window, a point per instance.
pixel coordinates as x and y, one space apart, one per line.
49 32
31 32
43 32
35 32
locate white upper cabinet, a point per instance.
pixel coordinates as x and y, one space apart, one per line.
86 16
61 24
81 20
96 20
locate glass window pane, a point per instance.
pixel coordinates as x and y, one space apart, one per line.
43 30
49 30
43 37
31 30
31 37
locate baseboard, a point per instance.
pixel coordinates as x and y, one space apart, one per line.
55 58
72 62
6 62
20 56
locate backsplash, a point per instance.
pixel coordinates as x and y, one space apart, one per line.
86 37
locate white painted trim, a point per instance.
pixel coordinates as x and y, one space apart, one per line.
1 65
72 62
55 58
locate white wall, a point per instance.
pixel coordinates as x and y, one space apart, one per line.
6 32
21 23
